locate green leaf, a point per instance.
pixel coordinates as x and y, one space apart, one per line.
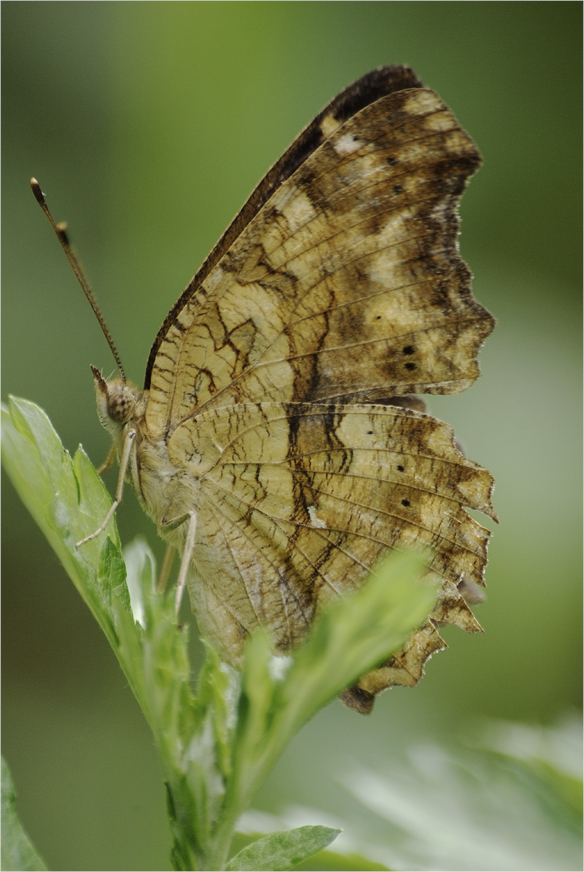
355 635
283 850
68 501
218 688
18 852
358 634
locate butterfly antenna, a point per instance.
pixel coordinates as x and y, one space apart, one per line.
60 230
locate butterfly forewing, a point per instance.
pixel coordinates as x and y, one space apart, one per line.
328 296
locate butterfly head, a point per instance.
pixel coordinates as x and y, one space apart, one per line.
117 403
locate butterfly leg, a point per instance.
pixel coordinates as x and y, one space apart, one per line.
165 568
191 517
186 560
108 462
128 445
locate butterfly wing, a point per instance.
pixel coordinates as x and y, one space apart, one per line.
379 83
343 287
299 501
347 285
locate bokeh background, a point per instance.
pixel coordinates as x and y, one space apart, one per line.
147 124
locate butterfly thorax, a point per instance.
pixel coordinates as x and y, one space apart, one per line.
164 491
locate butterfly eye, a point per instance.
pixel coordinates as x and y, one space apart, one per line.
120 405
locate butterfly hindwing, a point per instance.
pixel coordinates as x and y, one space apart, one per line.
298 502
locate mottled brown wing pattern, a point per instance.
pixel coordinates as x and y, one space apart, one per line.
299 501
366 90
341 289
347 285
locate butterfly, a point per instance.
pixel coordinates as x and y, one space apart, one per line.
278 444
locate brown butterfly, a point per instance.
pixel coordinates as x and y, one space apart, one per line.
277 444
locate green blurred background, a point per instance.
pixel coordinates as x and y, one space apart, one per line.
147 125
